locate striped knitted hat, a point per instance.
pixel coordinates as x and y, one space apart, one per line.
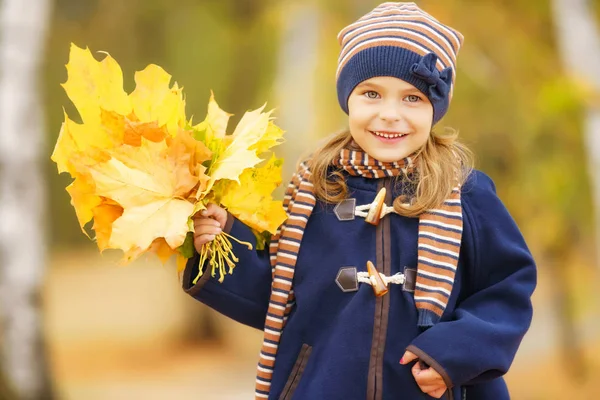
403 41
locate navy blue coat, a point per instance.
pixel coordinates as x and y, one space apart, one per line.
347 345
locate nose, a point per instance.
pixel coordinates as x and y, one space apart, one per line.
390 111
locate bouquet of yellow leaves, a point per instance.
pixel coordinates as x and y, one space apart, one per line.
141 170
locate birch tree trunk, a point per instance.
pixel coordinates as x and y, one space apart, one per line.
23 26
578 37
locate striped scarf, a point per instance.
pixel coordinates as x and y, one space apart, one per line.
440 232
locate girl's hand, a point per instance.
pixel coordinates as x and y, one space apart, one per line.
428 379
208 224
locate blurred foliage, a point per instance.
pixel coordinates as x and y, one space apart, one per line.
513 104
523 118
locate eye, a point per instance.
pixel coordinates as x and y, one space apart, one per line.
412 98
371 94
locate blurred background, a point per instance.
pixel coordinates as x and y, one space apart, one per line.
74 325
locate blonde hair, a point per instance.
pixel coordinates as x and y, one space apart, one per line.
440 162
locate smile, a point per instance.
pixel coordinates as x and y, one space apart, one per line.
388 135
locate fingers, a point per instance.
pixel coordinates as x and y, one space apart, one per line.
416 369
206 223
431 390
407 357
426 376
206 228
201 240
215 212
201 237
429 380
436 394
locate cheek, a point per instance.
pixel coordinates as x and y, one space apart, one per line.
424 122
359 110
358 117
356 129
422 137
355 121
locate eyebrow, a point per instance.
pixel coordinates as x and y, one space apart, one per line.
369 85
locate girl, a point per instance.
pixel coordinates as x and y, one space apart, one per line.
431 296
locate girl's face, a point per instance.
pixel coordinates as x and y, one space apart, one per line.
389 118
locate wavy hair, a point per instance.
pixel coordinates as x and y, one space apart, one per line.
441 163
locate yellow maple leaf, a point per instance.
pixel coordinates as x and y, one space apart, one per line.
189 153
181 263
102 129
273 136
84 199
197 150
266 218
154 101
134 131
75 138
214 126
140 175
198 206
216 119
162 249
139 226
250 200
94 85
112 125
239 154
105 214
151 183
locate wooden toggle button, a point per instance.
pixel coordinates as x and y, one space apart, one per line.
374 214
379 286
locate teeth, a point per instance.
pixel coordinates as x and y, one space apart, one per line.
388 136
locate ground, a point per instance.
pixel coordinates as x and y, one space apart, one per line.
124 333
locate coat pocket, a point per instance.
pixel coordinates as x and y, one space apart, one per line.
296 375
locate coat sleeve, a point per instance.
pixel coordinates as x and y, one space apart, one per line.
242 296
479 340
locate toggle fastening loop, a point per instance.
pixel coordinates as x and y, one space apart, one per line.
372 213
379 281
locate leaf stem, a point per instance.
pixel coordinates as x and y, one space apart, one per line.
219 254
